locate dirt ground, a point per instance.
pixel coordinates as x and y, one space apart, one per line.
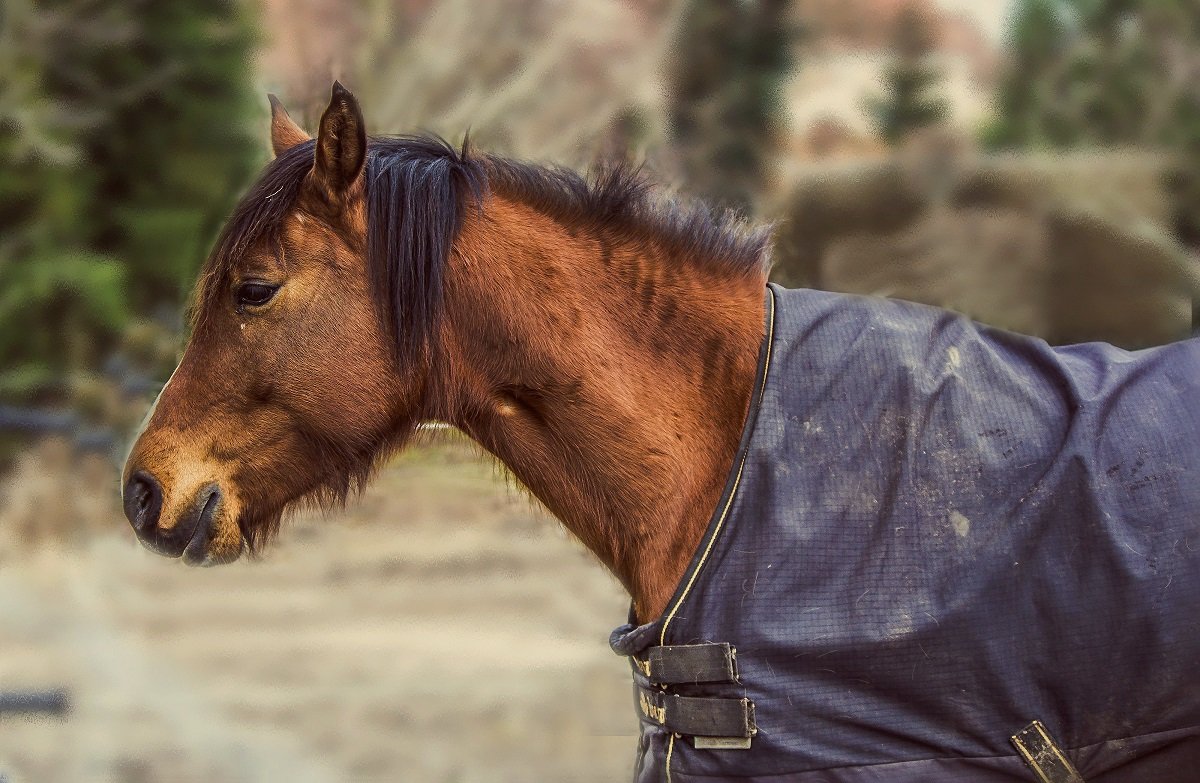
440 629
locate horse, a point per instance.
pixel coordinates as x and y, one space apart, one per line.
863 539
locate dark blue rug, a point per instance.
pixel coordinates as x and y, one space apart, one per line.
935 533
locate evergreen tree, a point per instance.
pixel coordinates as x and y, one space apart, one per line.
1106 72
731 58
176 141
910 101
124 134
1100 72
56 292
1038 41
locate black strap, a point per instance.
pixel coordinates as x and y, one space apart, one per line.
697 716
689 664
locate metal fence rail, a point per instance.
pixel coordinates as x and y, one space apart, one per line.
56 701
35 423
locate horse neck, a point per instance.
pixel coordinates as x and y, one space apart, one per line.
611 378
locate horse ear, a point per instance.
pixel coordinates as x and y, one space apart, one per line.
341 144
285 133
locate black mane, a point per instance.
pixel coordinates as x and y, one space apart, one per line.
418 191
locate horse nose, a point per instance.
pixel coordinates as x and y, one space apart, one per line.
143 503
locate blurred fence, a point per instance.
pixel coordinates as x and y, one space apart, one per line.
35 423
56 702
97 414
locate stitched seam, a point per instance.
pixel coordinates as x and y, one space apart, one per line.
662 636
1183 732
670 750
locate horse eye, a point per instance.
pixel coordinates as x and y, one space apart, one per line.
255 294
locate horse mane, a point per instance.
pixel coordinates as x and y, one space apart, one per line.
418 191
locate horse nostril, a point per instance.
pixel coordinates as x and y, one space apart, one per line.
143 502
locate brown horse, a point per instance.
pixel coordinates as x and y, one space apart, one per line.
602 345
923 532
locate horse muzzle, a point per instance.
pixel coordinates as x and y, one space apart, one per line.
189 536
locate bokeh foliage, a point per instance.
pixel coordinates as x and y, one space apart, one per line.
910 100
1106 73
124 133
730 60
127 126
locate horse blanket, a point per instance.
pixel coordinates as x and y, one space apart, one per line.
935 533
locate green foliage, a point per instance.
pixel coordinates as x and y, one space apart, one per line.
124 133
909 102
725 107
1101 72
1107 72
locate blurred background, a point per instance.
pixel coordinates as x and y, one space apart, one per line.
1032 163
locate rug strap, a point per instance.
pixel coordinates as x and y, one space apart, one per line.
689 664
710 722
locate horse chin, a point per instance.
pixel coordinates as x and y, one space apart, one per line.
218 540
214 556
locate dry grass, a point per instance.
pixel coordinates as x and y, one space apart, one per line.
53 498
441 629
1071 248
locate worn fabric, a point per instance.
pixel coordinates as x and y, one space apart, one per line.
936 533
